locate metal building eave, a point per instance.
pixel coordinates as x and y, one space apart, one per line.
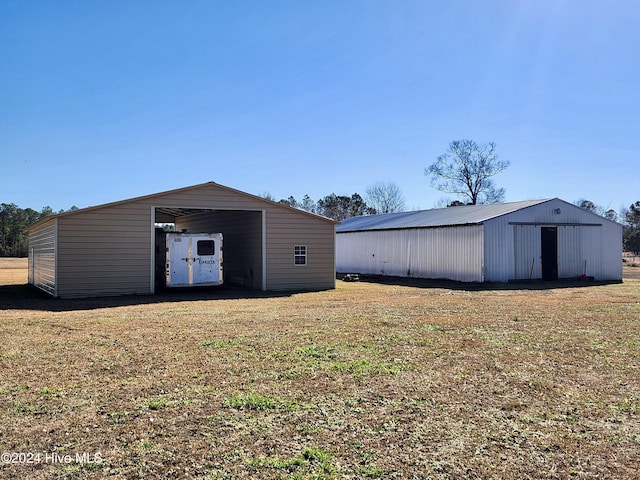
558 224
430 227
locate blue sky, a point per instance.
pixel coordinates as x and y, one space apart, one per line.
106 100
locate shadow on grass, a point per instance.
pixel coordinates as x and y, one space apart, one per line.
477 287
27 297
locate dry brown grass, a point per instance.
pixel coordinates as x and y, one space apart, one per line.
13 271
366 381
631 266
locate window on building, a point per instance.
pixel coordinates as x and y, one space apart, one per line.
206 247
300 255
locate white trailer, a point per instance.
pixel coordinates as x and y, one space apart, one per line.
193 259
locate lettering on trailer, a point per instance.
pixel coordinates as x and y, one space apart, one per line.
206 262
200 261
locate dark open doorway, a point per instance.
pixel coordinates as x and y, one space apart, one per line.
549 252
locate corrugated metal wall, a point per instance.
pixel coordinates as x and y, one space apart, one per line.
504 248
527 247
587 244
580 251
454 253
42 257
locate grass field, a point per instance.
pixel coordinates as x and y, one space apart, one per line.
370 380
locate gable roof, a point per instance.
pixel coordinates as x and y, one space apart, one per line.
184 211
438 217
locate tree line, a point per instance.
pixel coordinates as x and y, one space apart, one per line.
382 197
336 207
631 235
14 224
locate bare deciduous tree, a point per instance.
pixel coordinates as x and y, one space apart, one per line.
385 197
466 170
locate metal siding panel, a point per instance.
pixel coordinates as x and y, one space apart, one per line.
571 259
499 247
348 259
600 246
449 253
286 228
42 257
99 255
544 213
508 251
592 262
593 251
611 252
527 252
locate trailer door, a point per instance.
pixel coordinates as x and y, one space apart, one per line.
206 261
194 259
178 260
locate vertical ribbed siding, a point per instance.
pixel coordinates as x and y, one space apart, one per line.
42 257
580 251
502 248
611 251
453 253
527 248
587 243
571 257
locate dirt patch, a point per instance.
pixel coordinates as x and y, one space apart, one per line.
365 381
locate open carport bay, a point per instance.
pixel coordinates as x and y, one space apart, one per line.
242 241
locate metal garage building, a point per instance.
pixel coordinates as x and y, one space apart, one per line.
111 249
540 239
